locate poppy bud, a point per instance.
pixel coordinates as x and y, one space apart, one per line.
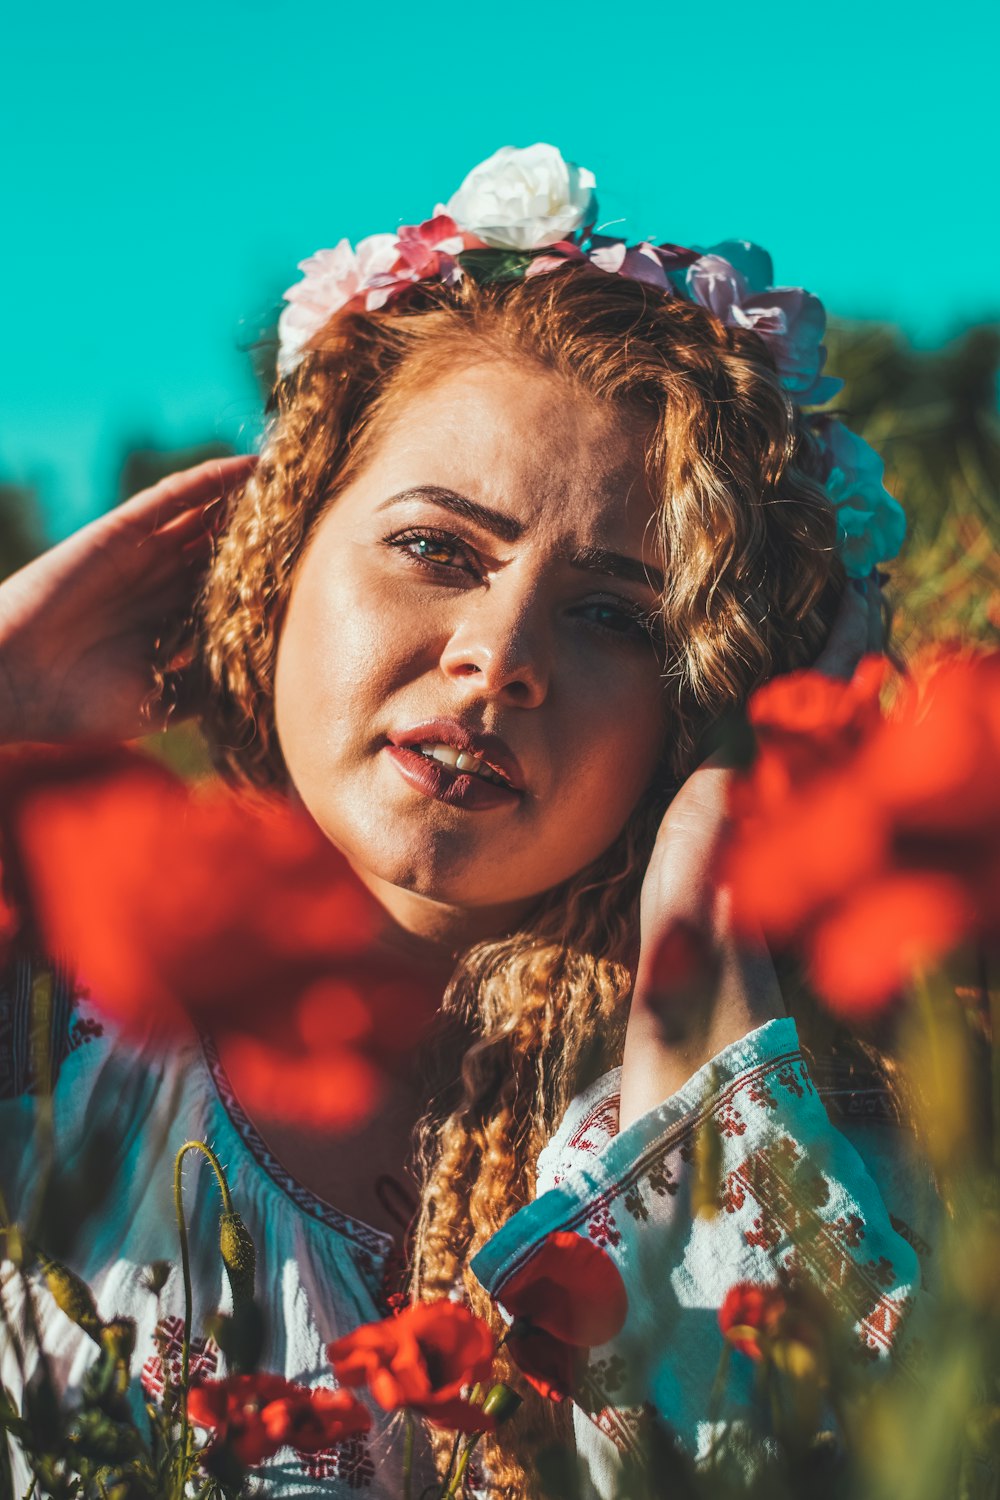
238 1256
707 1169
12 1245
71 1295
118 1343
501 1402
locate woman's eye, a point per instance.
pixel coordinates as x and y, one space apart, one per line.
435 549
631 624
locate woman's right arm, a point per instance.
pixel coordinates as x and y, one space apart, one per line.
82 626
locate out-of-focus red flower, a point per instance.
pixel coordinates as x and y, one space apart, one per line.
235 1409
788 1326
176 904
684 973
570 1288
554 1369
421 1360
569 1296
11 921
310 1420
872 844
752 1316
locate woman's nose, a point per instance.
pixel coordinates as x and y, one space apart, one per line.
500 649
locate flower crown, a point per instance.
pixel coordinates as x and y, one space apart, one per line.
523 212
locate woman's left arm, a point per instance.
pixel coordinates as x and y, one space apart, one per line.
668 1040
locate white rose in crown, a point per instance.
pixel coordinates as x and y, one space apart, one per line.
522 198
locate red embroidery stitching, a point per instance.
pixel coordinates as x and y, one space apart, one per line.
851 1228
169 1337
731 1122
350 1461
602 1228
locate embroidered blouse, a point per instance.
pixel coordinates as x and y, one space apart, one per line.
817 1175
845 1197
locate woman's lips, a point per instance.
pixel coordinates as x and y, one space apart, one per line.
458 788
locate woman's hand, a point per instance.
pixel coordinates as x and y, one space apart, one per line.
82 626
667 1040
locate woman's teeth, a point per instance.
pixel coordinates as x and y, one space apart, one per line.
459 760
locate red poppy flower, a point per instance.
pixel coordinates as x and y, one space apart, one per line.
554 1369
177 904
421 1360
568 1296
311 1420
871 844
751 1316
235 1409
684 974
570 1288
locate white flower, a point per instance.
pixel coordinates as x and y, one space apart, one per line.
522 198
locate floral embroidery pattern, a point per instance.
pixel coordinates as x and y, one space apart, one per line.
165 1367
608 1374
593 1133
850 1227
760 1093
635 1204
661 1180
787 1079
350 1462
730 1122
602 1228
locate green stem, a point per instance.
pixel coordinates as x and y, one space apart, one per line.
455 1488
453 1455
715 1401
992 999
227 1204
408 1458
41 1066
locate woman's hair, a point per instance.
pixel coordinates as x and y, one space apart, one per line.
752 585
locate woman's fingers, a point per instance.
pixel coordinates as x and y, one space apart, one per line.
850 634
188 490
876 625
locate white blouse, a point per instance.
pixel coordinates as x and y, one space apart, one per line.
832 1190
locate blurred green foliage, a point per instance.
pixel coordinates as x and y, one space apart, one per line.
934 418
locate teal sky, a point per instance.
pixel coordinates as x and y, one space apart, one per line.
166 167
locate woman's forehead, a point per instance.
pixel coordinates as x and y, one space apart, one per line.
517 436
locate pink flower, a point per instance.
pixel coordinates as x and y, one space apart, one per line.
789 319
333 279
644 262
367 277
424 252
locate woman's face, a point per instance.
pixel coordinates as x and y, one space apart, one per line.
478 589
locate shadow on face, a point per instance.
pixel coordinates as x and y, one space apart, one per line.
481 589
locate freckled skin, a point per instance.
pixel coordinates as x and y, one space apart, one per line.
507 637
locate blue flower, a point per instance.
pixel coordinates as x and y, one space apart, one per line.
871 524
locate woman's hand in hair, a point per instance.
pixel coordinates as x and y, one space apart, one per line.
84 626
676 1027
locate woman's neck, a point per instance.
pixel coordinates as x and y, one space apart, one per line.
432 934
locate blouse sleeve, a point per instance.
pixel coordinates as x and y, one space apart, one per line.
795 1196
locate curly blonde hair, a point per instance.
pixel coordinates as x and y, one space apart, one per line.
752 585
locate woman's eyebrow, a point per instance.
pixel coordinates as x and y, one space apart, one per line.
587 559
493 521
616 565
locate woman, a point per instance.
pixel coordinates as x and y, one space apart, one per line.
524 528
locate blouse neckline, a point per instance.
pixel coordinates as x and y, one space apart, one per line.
375 1242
